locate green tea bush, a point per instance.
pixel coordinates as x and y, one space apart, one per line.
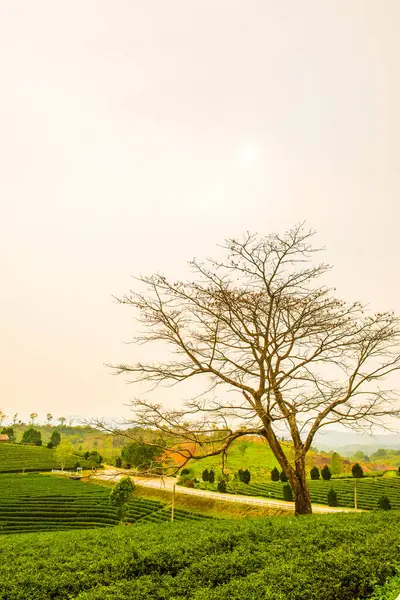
283 477
332 498
205 475
326 473
211 476
314 473
357 471
222 486
384 503
287 492
274 474
326 557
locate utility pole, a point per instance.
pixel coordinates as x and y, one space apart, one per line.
173 504
355 494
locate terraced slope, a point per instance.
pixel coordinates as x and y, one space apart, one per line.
34 502
152 511
369 490
15 458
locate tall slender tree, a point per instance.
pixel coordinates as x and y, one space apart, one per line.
259 323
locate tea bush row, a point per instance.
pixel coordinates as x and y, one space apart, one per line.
329 557
14 458
369 491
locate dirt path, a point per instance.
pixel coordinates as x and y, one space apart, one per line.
167 484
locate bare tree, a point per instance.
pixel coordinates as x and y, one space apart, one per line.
258 323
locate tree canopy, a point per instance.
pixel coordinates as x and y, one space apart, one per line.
260 325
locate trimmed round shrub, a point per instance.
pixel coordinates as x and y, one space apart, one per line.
211 476
283 477
357 471
185 472
314 473
287 492
222 486
189 483
205 475
332 498
118 462
384 503
326 473
275 474
49 445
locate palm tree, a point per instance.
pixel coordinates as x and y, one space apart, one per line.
49 418
32 417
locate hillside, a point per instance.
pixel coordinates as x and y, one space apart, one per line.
15 458
35 502
314 558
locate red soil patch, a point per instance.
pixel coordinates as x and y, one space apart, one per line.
176 457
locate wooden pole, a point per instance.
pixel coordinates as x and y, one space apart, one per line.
355 494
173 504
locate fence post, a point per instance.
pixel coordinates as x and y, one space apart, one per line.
173 503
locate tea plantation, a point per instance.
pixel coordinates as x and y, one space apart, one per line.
15 458
369 491
45 502
330 557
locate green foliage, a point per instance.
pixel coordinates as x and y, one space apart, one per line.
314 473
332 498
287 492
55 438
333 557
185 471
189 483
15 458
205 475
32 436
275 474
357 471
118 462
211 476
283 477
384 503
246 476
222 486
336 464
34 502
369 490
94 459
142 456
121 493
326 473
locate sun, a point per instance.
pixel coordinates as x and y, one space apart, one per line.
249 152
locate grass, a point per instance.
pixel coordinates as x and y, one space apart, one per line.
330 557
257 457
209 506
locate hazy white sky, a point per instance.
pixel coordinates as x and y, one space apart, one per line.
137 135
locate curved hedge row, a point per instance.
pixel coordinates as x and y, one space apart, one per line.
369 491
47 502
15 458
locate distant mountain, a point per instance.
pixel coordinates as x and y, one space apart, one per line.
349 442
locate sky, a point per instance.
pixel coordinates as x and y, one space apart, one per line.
137 135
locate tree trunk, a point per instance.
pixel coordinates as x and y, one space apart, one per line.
300 488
